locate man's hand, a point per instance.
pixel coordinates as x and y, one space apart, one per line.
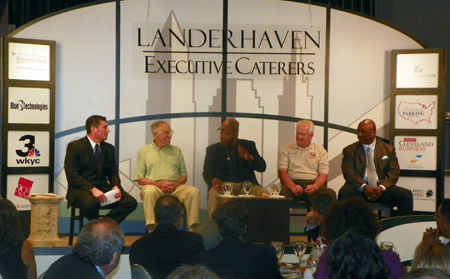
372 193
168 186
311 189
99 195
217 185
297 190
431 236
117 195
244 154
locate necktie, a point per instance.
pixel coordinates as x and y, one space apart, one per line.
371 171
97 153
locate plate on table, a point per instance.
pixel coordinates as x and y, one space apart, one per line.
226 196
277 197
246 196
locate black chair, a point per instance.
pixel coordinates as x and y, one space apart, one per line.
381 208
79 217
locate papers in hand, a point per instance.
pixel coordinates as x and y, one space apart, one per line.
110 197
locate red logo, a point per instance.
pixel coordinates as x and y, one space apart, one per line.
23 188
312 155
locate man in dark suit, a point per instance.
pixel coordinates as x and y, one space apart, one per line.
234 258
231 160
95 255
166 248
91 170
356 171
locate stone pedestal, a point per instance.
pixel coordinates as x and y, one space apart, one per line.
44 220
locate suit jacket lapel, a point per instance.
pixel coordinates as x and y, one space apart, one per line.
362 157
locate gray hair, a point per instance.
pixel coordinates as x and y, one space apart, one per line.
308 123
155 126
98 241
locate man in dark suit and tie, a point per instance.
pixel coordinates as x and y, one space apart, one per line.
91 170
356 169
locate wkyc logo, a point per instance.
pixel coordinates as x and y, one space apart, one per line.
23 188
30 153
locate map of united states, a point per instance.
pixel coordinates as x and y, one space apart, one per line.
416 112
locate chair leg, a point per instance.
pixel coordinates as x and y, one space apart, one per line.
185 224
72 224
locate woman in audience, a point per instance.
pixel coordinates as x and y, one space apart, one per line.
426 273
16 254
432 255
356 257
354 214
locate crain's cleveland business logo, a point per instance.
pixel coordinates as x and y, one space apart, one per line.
22 105
29 154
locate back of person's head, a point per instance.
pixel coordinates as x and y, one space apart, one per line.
10 227
322 200
93 121
231 218
168 209
432 255
192 272
426 273
445 209
98 241
353 256
350 214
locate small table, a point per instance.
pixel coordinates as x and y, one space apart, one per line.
269 218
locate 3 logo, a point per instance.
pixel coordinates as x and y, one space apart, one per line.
30 154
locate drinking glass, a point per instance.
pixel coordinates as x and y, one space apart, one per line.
279 248
275 188
316 252
247 186
387 245
227 188
299 249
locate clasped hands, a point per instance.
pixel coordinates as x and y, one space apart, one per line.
309 190
371 193
167 186
100 196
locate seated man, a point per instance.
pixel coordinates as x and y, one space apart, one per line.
303 172
231 160
91 170
234 258
160 170
166 248
95 255
370 168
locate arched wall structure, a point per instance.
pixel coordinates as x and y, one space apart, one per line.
284 61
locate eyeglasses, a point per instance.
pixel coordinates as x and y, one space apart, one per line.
167 133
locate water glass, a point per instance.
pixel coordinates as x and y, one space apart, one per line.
279 248
275 188
299 249
387 245
227 188
247 186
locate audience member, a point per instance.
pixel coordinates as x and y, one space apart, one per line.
443 224
91 170
193 272
231 160
160 170
373 180
356 257
166 248
303 172
426 273
16 254
95 255
234 258
433 254
356 215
